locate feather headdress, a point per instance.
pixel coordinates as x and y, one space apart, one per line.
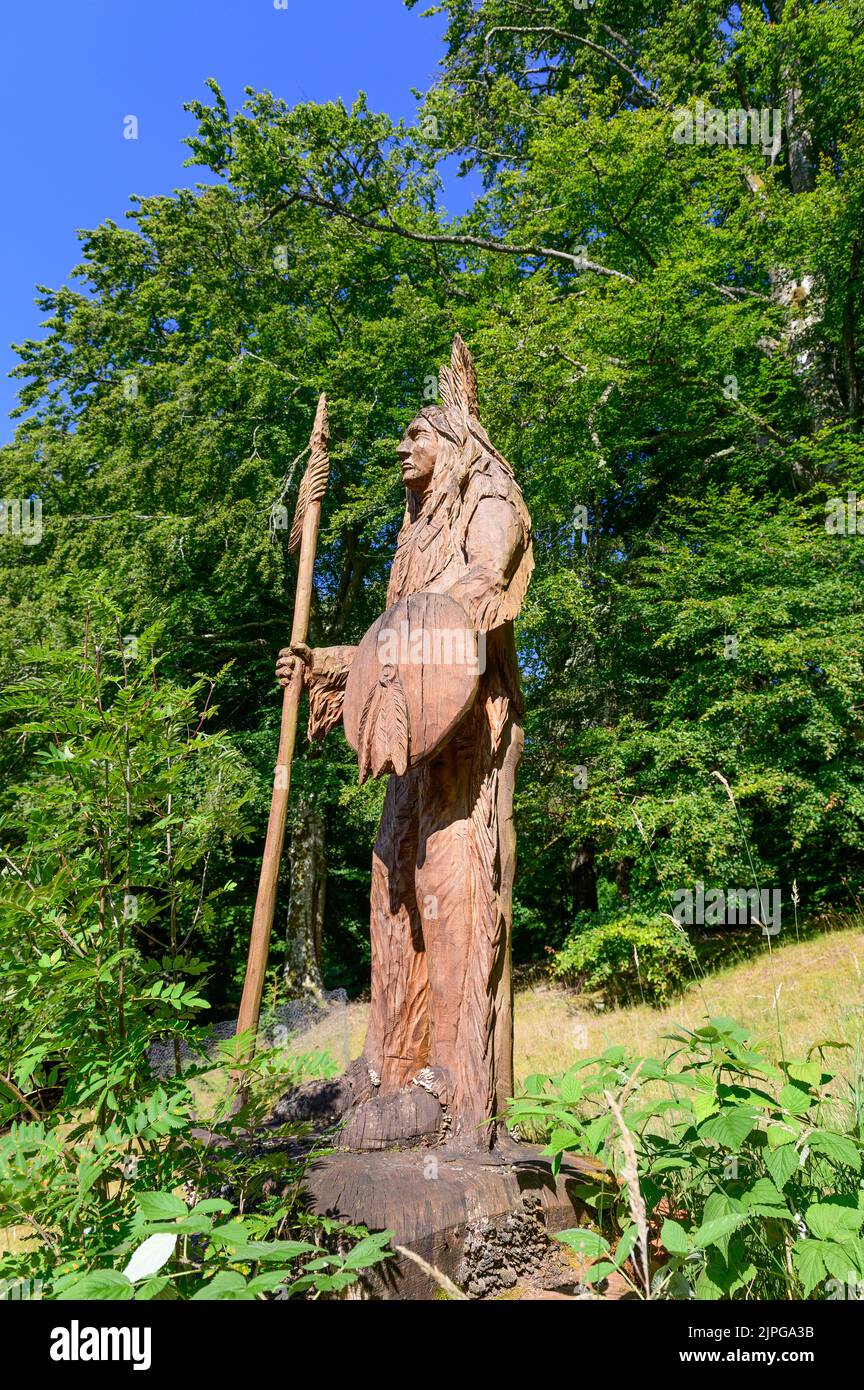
469 467
458 382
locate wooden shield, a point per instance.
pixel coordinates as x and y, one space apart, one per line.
412 678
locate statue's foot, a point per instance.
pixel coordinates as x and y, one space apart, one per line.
417 1114
400 1119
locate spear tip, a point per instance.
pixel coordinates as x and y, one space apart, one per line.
321 427
314 482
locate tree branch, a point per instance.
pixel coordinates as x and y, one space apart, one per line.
574 38
448 238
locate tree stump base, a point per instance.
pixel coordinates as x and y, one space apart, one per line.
484 1220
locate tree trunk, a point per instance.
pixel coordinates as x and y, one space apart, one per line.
308 865
583 880
622 878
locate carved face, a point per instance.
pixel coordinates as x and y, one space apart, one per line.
417 452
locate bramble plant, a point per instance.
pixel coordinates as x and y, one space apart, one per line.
631 957
749 1172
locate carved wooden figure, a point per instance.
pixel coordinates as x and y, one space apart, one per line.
431 698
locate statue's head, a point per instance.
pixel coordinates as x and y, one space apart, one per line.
443 449
429 446
417 452
445 443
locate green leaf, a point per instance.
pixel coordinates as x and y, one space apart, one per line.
764 1193
841 1261
562 1141
596 1133
266 1283
674 1238
782 1163
705 1103
810 1073
270 1250
787 1133
570 1088
713 1231
837 1218
707 1287
731 1127
625 1246
795 1099
598 1272
152 1288
160 1206
584 1242
837 1146
227 1285
369 1251
87 1175
99 1285
721 1204
809 1261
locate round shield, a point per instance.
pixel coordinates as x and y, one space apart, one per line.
412 678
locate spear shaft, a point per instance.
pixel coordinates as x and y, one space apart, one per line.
305 533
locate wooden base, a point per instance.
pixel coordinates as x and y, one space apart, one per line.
482 1219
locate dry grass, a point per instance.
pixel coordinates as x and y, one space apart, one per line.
820 994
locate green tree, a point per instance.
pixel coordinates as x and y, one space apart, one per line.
655 323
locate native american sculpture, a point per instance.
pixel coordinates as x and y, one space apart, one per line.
431 697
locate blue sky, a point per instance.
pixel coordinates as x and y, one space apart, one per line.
71 70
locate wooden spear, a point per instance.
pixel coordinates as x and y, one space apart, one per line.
304 534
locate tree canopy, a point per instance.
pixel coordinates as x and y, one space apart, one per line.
667 333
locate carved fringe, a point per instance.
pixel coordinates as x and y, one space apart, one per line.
326 698
477 1080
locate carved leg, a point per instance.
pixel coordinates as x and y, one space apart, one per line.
466 863
390 1110
397 1041
444 899
465 902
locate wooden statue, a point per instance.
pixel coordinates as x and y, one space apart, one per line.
431 698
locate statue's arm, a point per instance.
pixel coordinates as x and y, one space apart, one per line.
495 543
325 675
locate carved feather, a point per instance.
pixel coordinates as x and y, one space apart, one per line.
314 482
458 382
383 733
364 734
497 710
390 740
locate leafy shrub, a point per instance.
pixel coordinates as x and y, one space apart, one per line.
150 1207
105 837
630 957
750 1173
